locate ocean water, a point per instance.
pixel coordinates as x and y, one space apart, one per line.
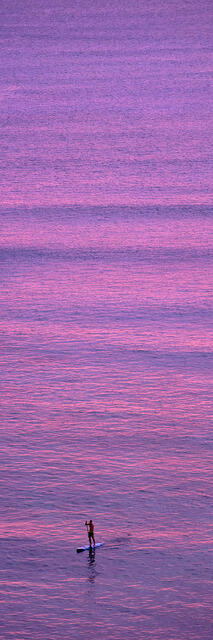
106 376
106 102
106 359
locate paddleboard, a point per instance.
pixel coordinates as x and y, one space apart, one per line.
89 548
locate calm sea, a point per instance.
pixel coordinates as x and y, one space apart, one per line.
106 357
106 361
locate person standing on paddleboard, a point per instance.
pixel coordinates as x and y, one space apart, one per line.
90 532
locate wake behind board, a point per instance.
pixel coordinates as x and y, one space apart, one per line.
89 548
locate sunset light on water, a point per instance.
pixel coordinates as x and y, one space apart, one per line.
106 320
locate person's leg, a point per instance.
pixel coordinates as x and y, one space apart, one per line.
90 539
93 539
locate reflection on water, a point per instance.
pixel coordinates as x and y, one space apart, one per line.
106 409
91 564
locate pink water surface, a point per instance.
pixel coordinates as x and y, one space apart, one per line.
106 354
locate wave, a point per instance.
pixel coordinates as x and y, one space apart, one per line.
111 255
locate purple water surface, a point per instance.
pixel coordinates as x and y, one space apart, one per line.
106 355
106 319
